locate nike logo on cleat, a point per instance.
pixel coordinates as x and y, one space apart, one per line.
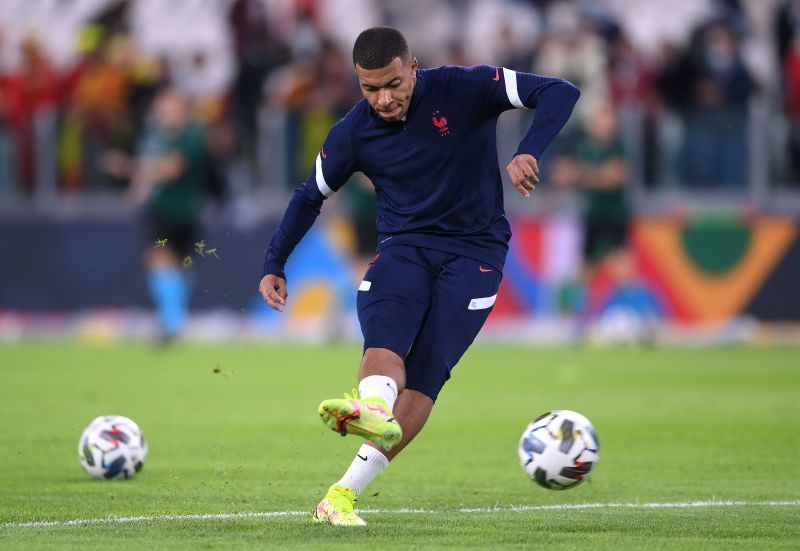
361 458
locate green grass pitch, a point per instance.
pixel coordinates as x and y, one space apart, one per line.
233 429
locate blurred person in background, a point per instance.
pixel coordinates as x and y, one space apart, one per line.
316 90
96 114
8 183
788 45
792 99
631 79
31 94
148 76
603 174
711 86
170 181
258 52
571 48
601 170
426 138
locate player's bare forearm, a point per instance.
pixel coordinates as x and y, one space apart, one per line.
273 290
524 172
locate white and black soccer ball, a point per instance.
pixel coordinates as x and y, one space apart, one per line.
559 449
112 446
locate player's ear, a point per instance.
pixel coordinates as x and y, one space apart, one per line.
414 64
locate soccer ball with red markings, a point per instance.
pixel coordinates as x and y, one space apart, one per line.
112 446
559 449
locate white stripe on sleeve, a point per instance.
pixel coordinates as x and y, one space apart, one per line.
321 183
510 78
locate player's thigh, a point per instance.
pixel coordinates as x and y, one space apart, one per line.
393 299
463 297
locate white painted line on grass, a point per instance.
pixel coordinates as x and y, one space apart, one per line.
466 510
634 505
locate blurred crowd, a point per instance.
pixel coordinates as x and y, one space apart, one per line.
265 79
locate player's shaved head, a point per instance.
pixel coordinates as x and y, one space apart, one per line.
377 47
386 71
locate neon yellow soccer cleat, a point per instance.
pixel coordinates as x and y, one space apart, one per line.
337 508
368 418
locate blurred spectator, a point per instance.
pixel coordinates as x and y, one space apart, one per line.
787 27
711 87
792 91
8 178
632 87
96 116
148 75
315 92
654 23
500 33
31 94
672 68
257 54
788 44
631 77
571 50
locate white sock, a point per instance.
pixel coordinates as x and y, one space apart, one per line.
368 463
379 386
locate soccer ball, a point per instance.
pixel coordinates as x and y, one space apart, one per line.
112 446
559 449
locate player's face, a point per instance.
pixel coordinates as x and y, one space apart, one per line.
388 89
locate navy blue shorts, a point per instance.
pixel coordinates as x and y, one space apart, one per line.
426 306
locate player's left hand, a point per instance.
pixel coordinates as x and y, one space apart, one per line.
524 172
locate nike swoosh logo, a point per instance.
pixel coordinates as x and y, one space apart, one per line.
484 270
361 458
385 240
324 155
496 73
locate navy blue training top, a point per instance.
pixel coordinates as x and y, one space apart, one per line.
436 177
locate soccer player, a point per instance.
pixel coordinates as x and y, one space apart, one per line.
426 139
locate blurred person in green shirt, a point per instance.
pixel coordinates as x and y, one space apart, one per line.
603 170
170 182
600 168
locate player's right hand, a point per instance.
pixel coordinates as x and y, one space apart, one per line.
273 289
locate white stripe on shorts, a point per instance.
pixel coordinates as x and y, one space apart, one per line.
482 303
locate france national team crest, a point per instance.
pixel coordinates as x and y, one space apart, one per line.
440 123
